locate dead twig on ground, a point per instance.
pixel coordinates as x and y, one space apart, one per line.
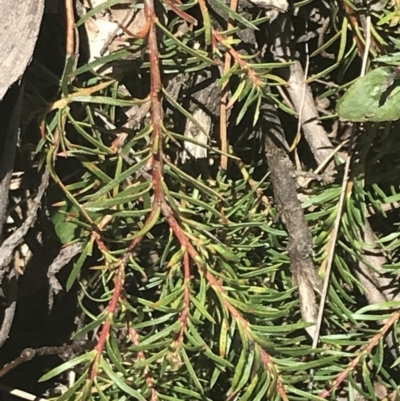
16 238
6 253
9 313
283 177
13 392
299 91
62 259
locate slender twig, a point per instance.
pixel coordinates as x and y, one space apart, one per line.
325 162
321 35
367 45
30 353
62 259
13 392
223 132
303 99
121 26
332 248
285 97
346 188
9 312
70 28
236 56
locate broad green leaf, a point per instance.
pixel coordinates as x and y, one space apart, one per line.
372 98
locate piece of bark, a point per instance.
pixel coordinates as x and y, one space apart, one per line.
20 23
203 103
283 178
8 247
7 153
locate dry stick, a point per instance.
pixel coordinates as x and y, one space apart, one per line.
72 38
70 28
300 112
223 132
314 133
13 392
307 280
367 46
9 312
16 238
297 88
303 99
62 259
332 245
325 162
285 98
64 351
321 35
344 191
292 214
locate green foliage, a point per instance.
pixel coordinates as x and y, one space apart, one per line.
186 281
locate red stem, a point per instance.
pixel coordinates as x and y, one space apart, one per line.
112 306
236 56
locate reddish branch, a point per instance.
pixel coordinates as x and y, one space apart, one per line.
236 56
353 21
156 117
160 202
352 18
235 313
364 351
224 100
174 5
105 331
